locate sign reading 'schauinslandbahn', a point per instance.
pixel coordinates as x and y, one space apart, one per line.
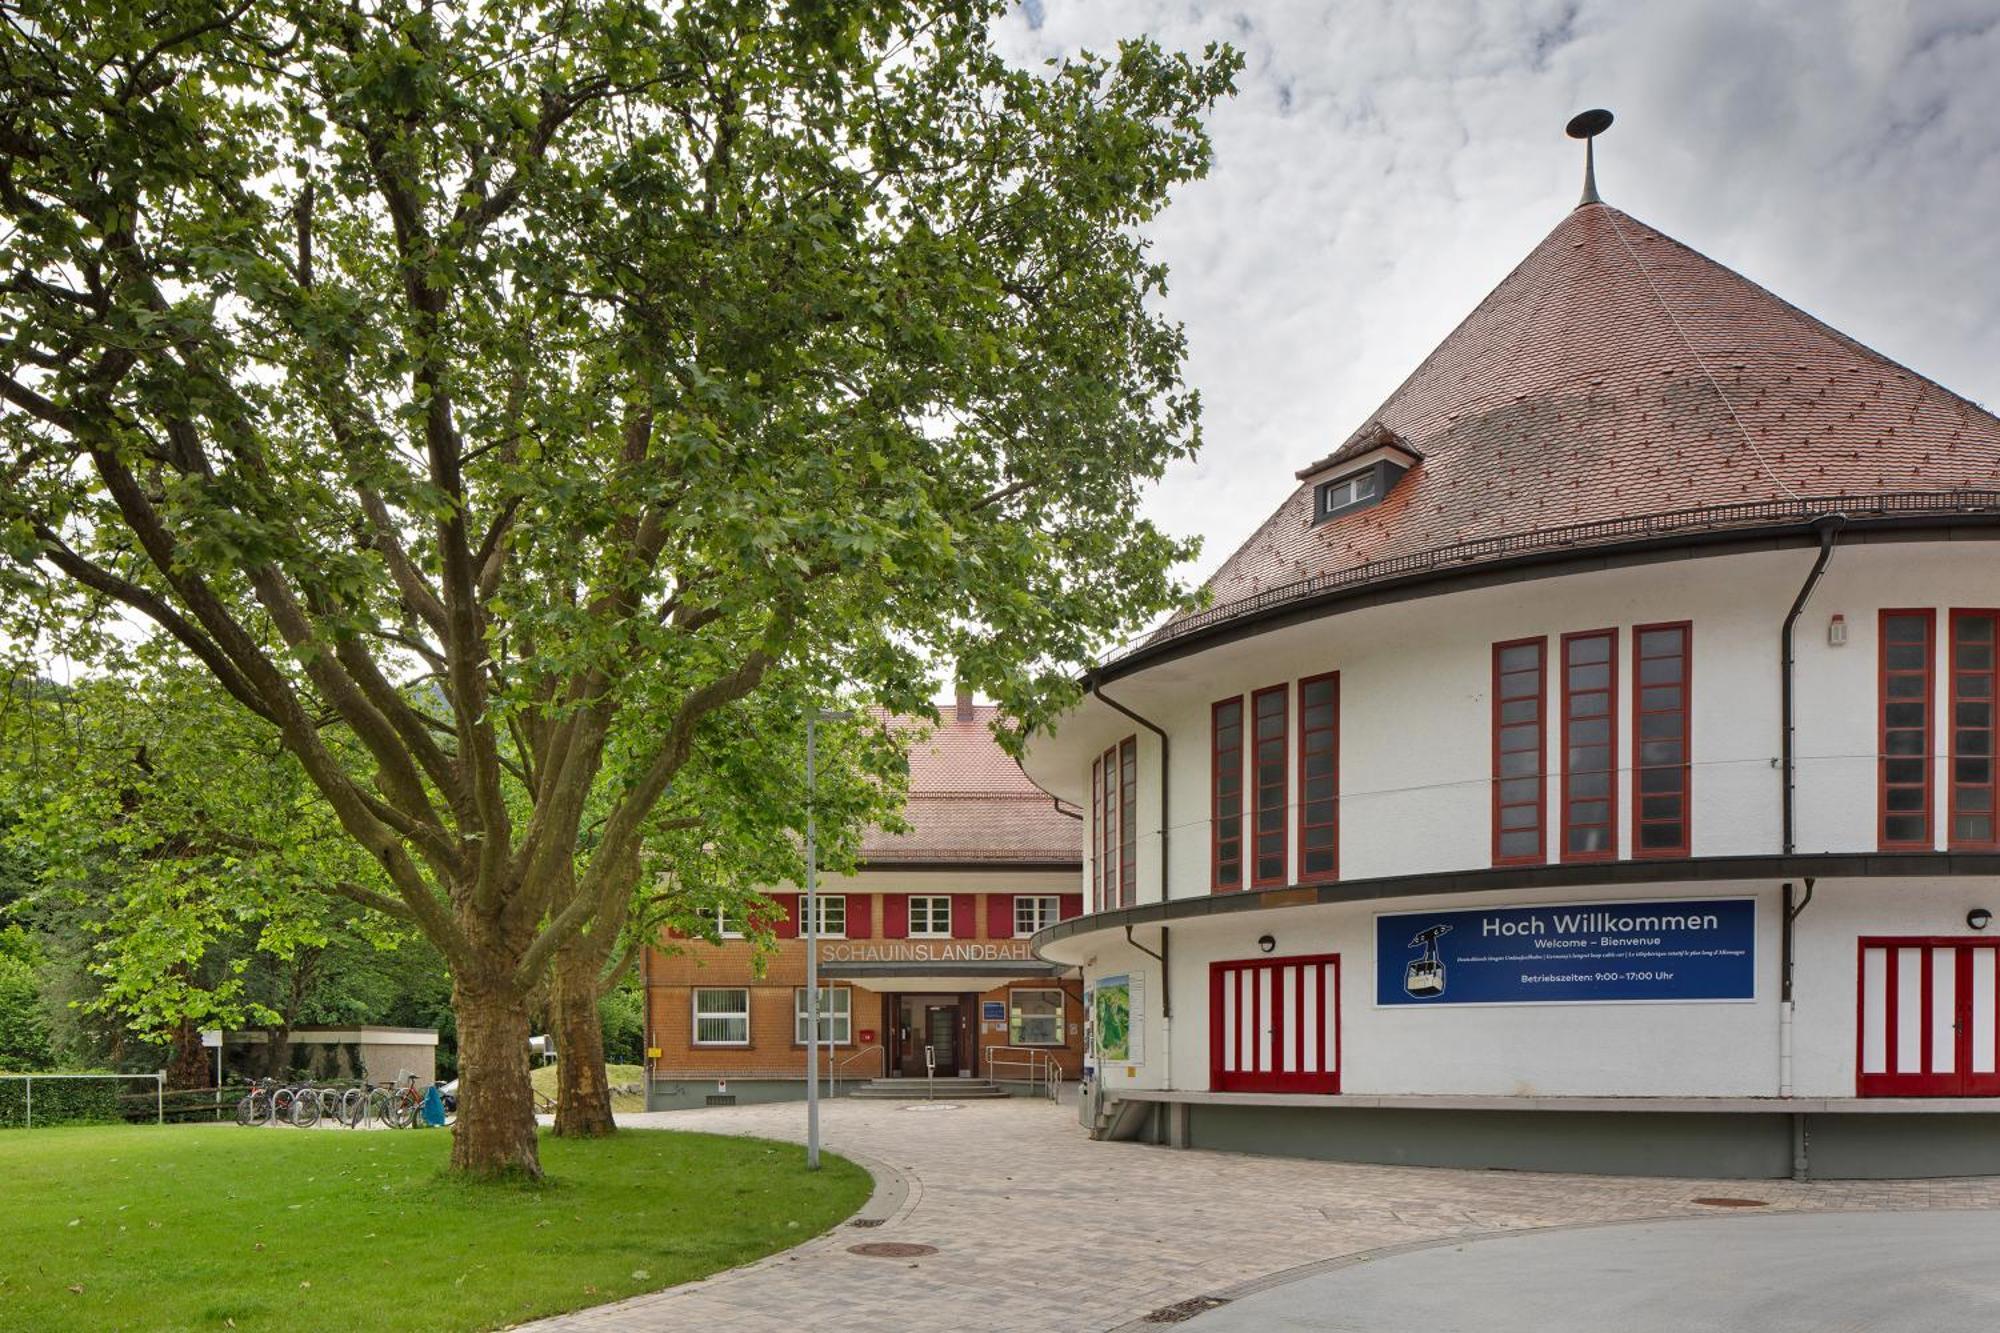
1682 949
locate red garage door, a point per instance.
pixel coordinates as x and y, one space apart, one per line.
1274 1025
1927 1018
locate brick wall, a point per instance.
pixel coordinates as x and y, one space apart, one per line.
675 970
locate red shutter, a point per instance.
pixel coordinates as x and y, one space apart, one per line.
859 927
895 916
999 916
1071 905
964 916
788 915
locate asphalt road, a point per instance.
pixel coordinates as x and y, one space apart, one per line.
1928 1272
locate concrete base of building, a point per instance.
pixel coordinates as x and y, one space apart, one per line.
670 1094
1740 1145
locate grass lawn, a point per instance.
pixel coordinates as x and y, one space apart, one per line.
212 1226
616 1075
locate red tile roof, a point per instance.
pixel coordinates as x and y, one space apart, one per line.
970 802
1618 373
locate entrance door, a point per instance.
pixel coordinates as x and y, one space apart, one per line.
1927 1018
941 1035
928 1021
1274 1025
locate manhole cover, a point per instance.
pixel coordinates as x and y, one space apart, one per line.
892 1249
932 1106
1182 1311
1725 1202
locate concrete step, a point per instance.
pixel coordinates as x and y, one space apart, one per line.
917 1089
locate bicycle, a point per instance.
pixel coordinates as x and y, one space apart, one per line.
255 1107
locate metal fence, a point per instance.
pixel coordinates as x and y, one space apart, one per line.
61 1102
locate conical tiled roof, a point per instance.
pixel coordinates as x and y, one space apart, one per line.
1617 373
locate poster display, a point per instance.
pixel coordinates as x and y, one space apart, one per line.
1576 953
1118 1008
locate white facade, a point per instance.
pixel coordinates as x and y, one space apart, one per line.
1416 747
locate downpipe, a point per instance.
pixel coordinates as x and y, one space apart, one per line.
1166 826
1829 526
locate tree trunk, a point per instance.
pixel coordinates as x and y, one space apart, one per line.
495 1135
190 1065
583 1093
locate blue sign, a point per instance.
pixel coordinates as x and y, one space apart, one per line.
993 1011
1688 949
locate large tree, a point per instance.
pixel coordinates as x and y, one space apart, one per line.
513 387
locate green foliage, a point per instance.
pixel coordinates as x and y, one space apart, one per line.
526 413
378 1238
622 1014
64 1101
24 1034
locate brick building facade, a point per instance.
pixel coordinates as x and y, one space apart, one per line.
924 960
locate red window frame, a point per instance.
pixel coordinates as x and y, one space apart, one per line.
1096 832
1225 849
1539 804
1662 717
1590 815
1128 821
1269 836
1926 1081
1899 770
1975 697
1319 745
1107 832
1325 994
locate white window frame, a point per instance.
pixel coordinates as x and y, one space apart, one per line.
820 901
836 1019
697 1013
1047 912
1347 492
933 914
722 925
1014 1037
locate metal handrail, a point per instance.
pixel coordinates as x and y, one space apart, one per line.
851 1057
1041 1064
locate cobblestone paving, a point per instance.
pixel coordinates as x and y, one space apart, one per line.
1038 1228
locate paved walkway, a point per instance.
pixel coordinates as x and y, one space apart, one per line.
1037 1228
1929 1272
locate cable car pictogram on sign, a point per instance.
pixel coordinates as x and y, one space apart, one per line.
1424 977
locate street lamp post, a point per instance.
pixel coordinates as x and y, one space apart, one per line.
813 720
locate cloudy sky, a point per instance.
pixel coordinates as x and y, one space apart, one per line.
1385 163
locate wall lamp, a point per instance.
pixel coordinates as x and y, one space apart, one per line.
1979 918
1266 943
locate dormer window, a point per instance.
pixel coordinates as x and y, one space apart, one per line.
1360 473
1346 492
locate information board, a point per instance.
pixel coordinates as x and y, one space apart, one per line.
1678 949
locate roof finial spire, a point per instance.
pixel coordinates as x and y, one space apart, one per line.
1587 125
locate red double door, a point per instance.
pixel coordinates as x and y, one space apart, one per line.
1274 1025
1928 1007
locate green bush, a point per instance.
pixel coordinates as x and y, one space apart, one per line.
24 1037
64 1101
624 1026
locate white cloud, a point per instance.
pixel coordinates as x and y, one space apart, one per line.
1385 164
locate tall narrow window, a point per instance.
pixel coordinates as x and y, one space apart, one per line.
1661 772
1319 777
1908 639
1226 795
1590 746
1128 821
1973 682
1095 878
1268 708
1108 840
1520 750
